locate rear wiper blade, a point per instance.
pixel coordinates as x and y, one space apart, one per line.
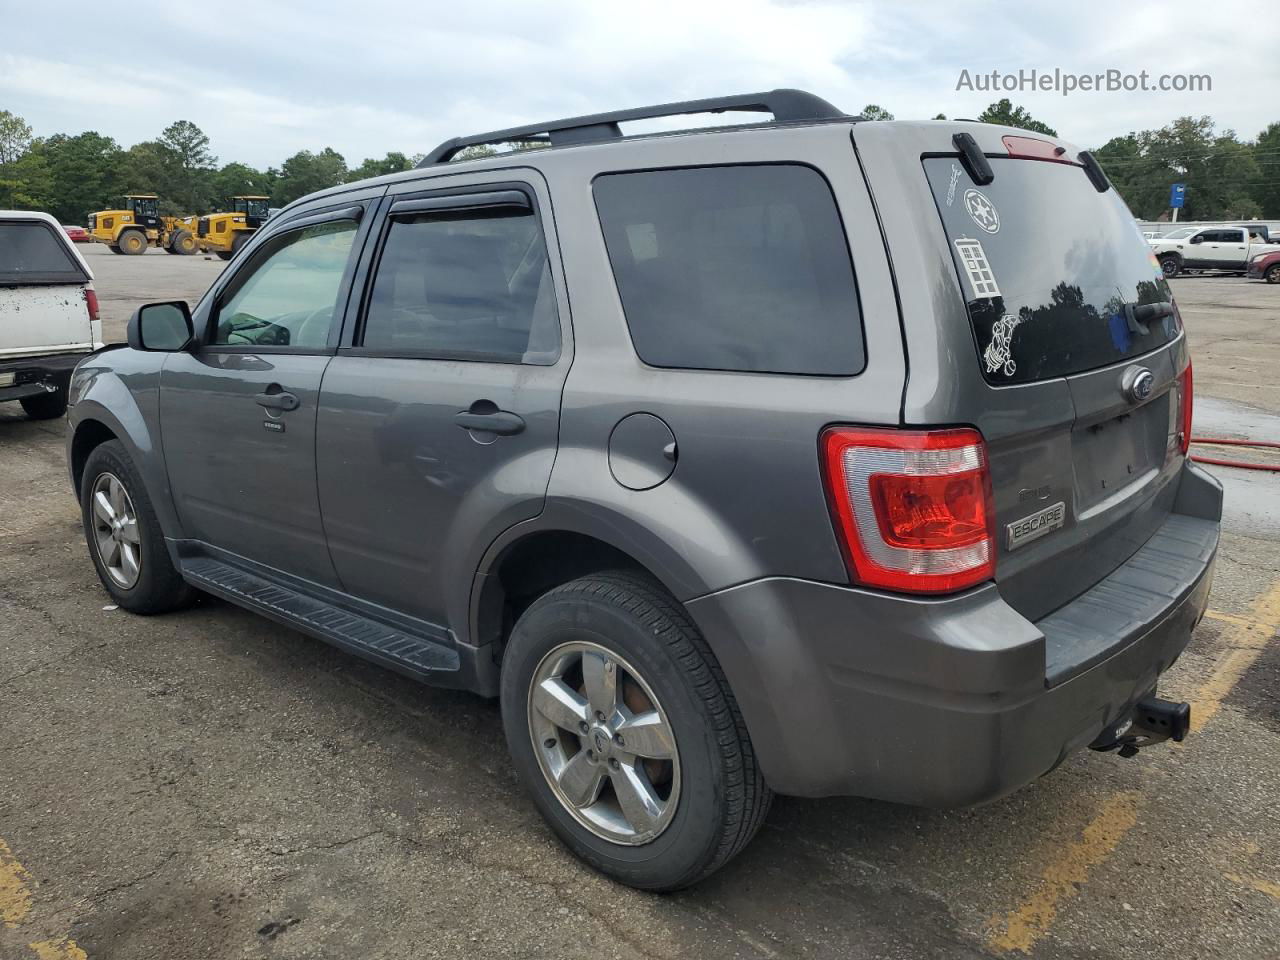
1138 315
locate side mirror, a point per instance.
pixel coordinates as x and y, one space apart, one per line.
1197 239
161 327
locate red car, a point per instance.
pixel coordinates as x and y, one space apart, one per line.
77 234
1266 266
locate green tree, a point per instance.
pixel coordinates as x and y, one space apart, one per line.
393 162
874 112
1266 157
153 167
238 179
1141 179
15 137
191 187
1004 112
83 173
306 172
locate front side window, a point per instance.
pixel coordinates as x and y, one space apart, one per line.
290 297
468 284
739 268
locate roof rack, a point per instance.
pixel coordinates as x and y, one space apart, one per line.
785 105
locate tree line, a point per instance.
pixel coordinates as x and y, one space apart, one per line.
71 175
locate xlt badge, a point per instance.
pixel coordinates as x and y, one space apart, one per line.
1037 525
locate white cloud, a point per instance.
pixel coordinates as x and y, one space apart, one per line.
267 79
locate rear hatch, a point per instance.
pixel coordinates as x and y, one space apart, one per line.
1052 331
44 290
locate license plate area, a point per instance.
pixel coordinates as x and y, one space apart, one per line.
1110 455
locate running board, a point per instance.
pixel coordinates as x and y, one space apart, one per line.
416 656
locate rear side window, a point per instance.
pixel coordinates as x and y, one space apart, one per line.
470 285
30 252
740 268
1047 265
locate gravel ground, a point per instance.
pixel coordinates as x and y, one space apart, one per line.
210 785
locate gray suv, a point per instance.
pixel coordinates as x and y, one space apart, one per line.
811 455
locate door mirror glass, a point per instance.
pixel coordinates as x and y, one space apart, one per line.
162 327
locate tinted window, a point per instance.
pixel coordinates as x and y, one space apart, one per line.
733 268
30 252
1047 265
470 285
289 296
1231 236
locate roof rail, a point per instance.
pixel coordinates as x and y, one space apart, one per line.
785 105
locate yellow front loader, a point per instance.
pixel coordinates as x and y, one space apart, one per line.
225 233
137 225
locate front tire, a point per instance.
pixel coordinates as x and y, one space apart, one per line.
124 536
48 406
1273 273
183 243
622 726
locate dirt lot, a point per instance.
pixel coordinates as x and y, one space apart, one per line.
209 785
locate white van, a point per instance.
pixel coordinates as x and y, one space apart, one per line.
48 312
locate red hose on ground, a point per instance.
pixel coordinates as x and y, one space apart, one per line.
1242 464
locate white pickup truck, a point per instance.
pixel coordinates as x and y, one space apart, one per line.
1214 248
48 312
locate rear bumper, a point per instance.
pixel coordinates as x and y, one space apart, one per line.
34 376
959 700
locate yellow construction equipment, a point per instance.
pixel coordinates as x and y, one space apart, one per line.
138 225
225 233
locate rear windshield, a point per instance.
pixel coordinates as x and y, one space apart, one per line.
30 252
1047 265
733 268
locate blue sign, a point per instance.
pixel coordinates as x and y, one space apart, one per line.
1176 195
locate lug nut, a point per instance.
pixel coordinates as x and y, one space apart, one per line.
617 738
583 727
599 717
613 763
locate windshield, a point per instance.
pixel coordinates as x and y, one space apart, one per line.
1049 268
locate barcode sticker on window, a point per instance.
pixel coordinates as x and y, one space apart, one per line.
974 260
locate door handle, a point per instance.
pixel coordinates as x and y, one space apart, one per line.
500 422
277 401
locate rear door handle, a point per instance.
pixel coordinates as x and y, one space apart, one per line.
499 421
277 401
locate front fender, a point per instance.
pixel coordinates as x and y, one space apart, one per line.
120 390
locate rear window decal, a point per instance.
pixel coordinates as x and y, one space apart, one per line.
982 211
981 278
951 187
999 352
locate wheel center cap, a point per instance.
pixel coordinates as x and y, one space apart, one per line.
602 740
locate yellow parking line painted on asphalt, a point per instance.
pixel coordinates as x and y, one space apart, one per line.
1243 644
1272 890
15 895
1021 928
58 950
1227 618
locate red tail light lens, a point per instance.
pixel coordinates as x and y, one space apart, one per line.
1032 148
91 302
913 508
1186 390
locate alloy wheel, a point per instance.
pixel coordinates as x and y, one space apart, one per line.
115 531
604 743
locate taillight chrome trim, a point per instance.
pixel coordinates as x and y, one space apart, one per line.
853 455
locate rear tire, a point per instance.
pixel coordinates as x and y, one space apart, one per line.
1273 273
183 243
1172 266
48 406
124 526
133 242
658 666
113 248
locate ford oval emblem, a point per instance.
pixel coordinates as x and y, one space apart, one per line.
1138 384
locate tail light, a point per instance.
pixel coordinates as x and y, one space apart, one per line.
913 509
91 302
1187 399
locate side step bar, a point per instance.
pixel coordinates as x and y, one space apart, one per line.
422 658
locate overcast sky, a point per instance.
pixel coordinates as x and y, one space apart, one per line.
267 79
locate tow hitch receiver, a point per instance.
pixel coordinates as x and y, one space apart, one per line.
1152 721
